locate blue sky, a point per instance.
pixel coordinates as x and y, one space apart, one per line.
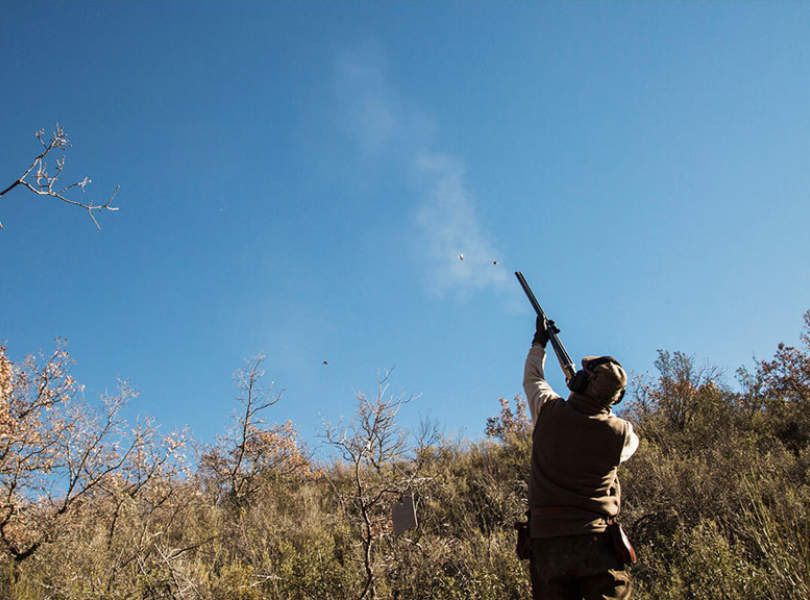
298 179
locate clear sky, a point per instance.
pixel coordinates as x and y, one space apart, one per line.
299 178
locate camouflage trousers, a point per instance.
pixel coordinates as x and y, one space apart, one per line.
577 567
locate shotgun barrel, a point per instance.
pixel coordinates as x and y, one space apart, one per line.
565 361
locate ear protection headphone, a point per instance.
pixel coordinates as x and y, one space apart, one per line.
579 382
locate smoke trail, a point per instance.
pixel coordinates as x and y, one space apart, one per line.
454 248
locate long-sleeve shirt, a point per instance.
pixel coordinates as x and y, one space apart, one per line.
538 392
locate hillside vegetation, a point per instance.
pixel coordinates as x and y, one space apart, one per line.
716 500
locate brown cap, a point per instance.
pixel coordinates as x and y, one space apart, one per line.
607 380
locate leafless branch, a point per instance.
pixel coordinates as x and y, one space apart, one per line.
45 183
372 445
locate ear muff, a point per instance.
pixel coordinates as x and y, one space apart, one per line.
579 382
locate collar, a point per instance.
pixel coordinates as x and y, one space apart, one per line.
587 405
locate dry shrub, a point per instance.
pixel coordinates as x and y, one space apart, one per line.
717 500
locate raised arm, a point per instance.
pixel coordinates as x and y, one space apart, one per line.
538 391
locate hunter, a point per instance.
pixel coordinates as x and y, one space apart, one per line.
576 549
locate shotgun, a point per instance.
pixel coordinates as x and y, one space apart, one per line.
565 361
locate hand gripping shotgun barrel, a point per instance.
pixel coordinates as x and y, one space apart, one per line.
562 356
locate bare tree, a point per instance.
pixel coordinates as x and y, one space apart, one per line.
57 451
143 502
374 447
41 182
250 448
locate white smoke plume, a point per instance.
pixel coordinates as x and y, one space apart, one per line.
458 252
453 246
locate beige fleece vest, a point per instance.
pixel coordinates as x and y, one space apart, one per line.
573 485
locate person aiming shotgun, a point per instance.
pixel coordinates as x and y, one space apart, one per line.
575 547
